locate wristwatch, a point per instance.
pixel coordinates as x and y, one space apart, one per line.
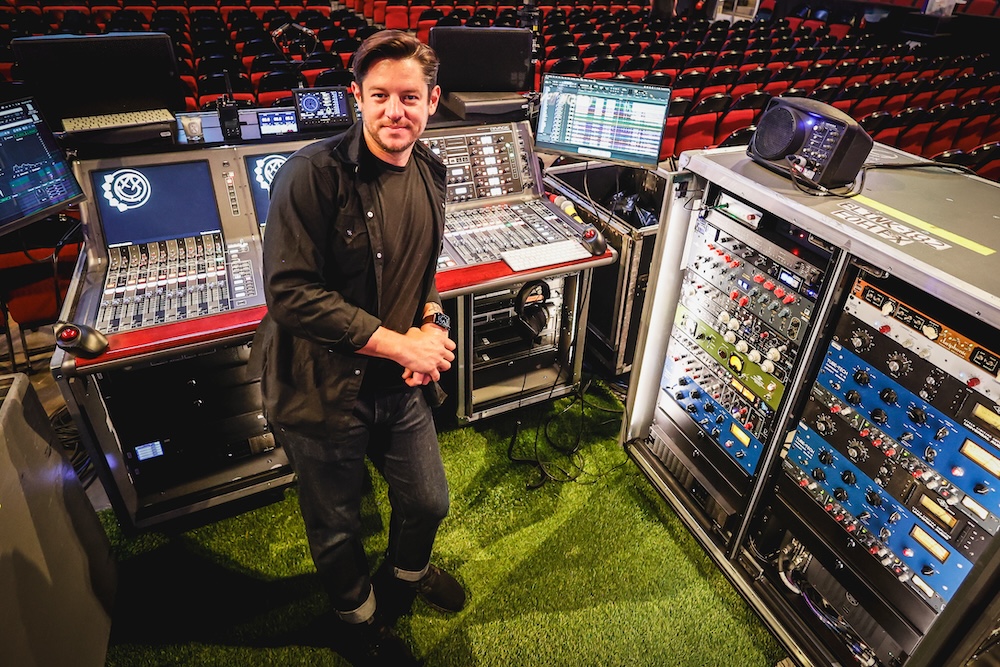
440 319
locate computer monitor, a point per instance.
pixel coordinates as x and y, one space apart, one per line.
482 59
319 109
157 202
261 168
602 119
35 180
73 76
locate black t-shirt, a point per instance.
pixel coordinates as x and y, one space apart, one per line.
407 248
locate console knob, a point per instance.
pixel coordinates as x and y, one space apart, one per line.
840 494
818 474
879 416
853 396
862 377
849 477
889 395
916 415
825 457
873 498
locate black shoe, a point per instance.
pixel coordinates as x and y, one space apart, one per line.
440 590
374 644
394 596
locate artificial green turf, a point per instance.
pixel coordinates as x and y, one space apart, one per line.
594 571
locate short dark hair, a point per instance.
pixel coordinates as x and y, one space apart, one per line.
395 45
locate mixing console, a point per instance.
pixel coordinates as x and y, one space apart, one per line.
478 235
485 162
168 281
494 201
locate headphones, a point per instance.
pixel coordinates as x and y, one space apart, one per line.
532 308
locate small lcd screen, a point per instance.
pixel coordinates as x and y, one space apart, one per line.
277 122
198 127
262 169
149 451
148 203
35 180
616 121
322 108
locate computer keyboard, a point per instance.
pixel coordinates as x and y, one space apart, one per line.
546 254
113 120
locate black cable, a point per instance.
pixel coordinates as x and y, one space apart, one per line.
814 189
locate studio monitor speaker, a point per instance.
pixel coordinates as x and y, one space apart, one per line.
823 145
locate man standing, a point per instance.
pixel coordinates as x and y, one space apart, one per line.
355 339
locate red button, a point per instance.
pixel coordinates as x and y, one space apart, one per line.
778 292
69 334
759 278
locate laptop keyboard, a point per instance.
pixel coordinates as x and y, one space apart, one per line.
111 120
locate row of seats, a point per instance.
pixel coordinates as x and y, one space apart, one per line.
936 130
983 159
978 8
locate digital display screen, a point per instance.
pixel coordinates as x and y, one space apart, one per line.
148 203
149 451
322 108
790 279
261 169
602 119
35 180
198 127
277 122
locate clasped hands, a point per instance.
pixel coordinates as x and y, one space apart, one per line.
428 354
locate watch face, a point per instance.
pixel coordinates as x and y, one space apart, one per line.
442 320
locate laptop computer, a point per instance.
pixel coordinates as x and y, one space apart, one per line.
85 83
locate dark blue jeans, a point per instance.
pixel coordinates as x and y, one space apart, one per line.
396 431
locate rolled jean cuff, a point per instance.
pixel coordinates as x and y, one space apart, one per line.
409 575
363 613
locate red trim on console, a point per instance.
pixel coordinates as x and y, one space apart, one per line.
177 334
464 277
150 340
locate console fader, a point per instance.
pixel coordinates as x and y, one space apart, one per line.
494 197
177 279
900 440
750 287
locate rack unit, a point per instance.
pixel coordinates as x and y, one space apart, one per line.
824 413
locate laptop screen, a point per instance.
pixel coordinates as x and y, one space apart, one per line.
601 119
73 76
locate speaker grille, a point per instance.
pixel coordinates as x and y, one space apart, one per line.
775 134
